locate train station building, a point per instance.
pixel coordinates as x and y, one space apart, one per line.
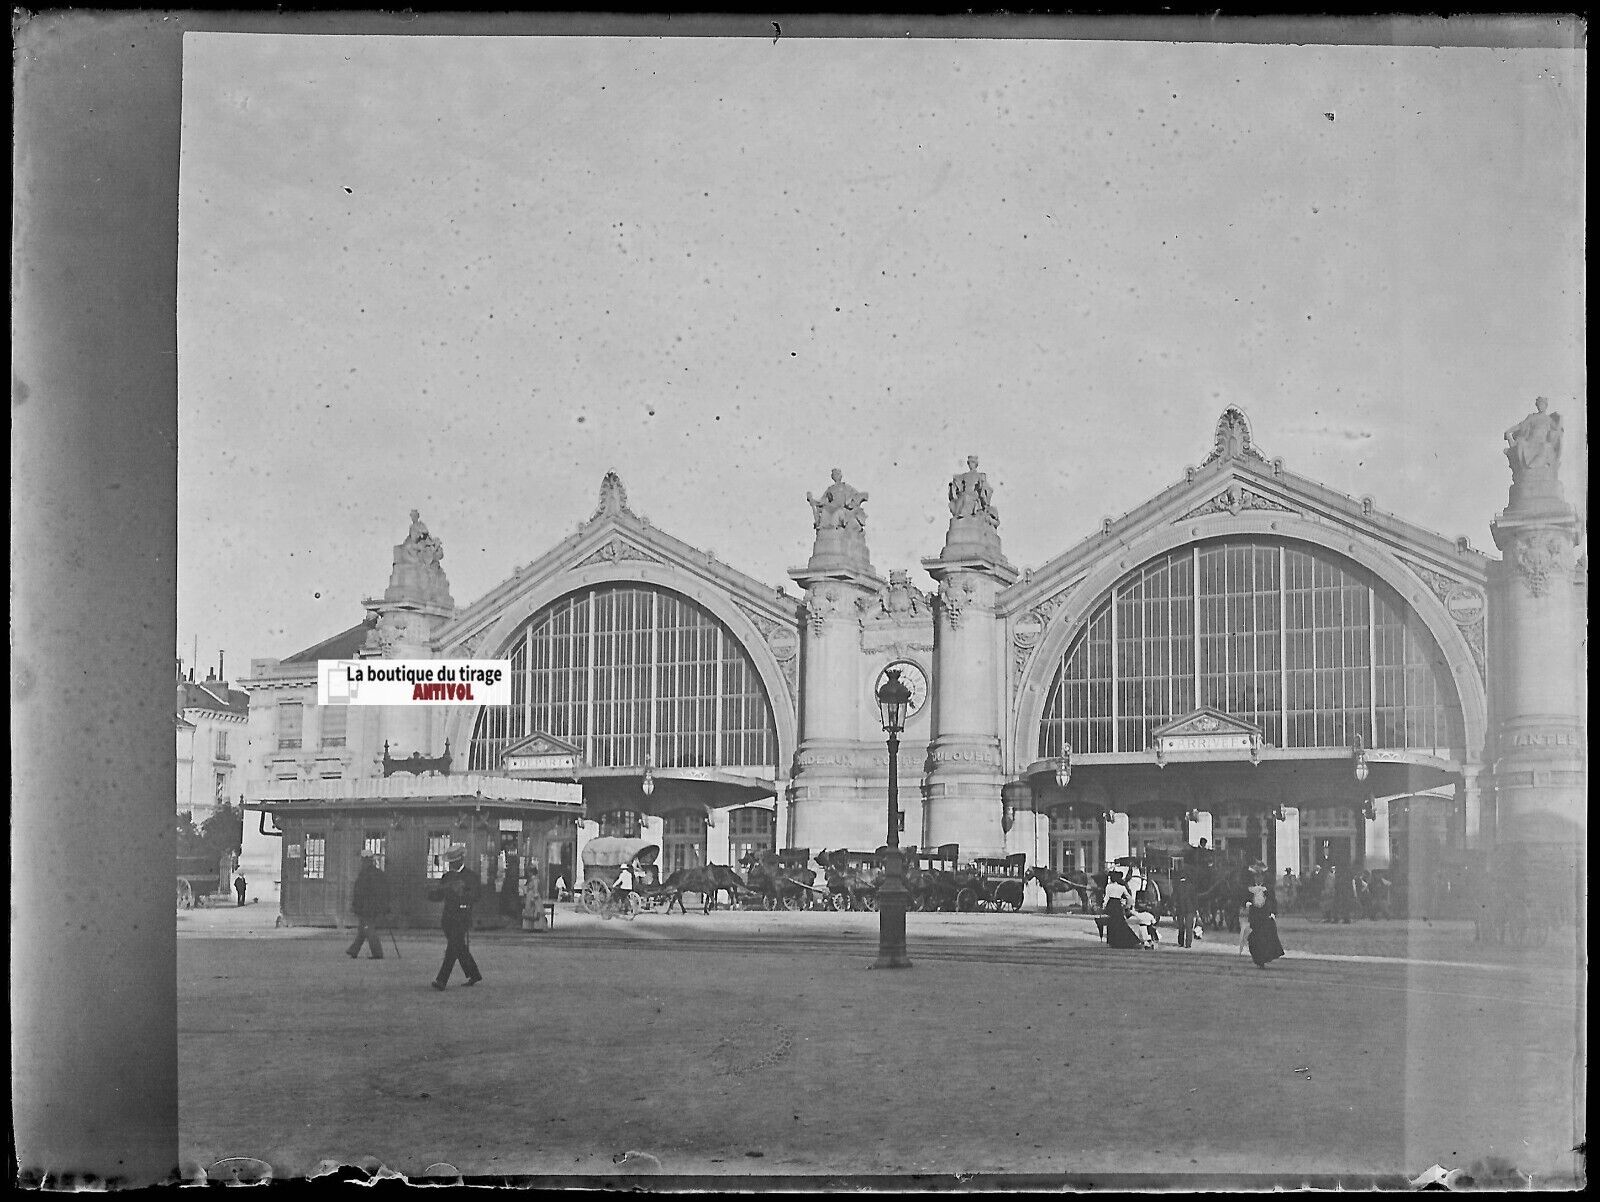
1250 657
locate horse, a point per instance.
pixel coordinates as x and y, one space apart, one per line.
707 880
931 889
766 876
1221 893
1074 880
854 883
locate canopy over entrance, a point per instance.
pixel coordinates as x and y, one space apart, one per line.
1136 783
606 790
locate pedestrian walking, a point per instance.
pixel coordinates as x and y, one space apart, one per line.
370 902
239 885
1262 924
1288 889
458 890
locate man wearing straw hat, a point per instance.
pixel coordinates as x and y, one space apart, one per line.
458 890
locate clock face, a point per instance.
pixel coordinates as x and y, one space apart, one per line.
914 678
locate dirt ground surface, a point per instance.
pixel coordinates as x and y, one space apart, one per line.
755 1043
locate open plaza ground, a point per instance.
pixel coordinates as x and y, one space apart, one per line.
763 1043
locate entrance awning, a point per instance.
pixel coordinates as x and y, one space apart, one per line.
675 789
1137 782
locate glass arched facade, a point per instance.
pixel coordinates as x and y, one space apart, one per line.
624 670
1306 645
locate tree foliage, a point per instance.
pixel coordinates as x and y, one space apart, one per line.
222 832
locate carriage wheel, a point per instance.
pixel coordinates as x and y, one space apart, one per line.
769 902
966 901
185 895
594 897
792 901
1012 903
870 902
914 906
839 902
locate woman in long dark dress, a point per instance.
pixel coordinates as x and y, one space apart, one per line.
1118 931
1265 945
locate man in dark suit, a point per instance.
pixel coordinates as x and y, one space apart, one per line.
458 890
370 901
1185 904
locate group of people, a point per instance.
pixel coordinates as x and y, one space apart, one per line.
1126 925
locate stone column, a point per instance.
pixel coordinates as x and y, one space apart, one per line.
963 789
1115 843
1286 842
717 837
1376 851
1538 668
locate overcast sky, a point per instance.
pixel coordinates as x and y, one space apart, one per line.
472 275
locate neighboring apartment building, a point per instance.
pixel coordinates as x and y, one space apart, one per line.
212 724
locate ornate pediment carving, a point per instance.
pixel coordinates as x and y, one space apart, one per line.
1210 732
898 618
1235 499
1206 721
616 551
540 743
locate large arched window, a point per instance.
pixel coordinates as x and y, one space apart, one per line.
621 670
1305 644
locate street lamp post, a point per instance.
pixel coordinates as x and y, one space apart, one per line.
893 698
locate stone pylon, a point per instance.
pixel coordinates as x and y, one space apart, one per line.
833 767
1536 653
963 790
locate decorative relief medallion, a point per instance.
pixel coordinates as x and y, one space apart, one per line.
1465 605
914 678
1235 499
784 642
1540 557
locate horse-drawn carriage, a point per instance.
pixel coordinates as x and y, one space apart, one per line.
931 877
603 861
992 883
852 877
782 880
